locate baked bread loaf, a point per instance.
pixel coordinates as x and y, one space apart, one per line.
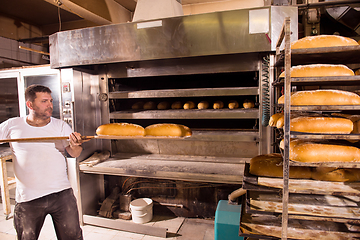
163 105
189 105
336 174
321 125
120 129
149 105
137 105
248 104
270 165
218 105
274 118
176 105
357 72
203 105
319 70
311 152
322 97
233 104
168 130
323 41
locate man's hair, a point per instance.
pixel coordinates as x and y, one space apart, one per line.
30 92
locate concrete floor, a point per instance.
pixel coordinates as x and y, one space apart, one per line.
178 229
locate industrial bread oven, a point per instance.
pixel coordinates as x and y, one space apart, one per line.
222 56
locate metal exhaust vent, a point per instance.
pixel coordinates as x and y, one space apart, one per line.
157 9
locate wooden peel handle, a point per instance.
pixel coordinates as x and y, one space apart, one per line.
42 139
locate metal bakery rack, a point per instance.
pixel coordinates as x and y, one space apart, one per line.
304 208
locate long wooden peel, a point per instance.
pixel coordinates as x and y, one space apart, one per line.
49 139
42 139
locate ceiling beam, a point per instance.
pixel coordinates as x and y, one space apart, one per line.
100 12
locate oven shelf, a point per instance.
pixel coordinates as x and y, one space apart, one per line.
194 92
241 113
173 167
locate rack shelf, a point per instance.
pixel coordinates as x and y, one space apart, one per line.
332 80
340 55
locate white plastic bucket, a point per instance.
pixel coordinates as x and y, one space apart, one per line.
141 210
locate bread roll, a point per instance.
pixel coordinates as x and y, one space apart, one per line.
176 105
357 72
168 130
218 105
203 105
120 129
321 125
270 165
302 151
274 118
233 104
150 105
137 106
189 105
322 97
336 174
248 104
323 41
163 106
319 70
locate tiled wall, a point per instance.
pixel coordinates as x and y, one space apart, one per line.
12 56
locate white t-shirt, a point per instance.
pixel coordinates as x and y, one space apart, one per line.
39 167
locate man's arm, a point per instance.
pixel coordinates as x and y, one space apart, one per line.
75 141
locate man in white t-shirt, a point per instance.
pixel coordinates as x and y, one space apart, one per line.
42 185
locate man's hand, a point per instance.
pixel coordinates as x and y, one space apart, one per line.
75 142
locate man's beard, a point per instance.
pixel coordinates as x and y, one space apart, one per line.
44 115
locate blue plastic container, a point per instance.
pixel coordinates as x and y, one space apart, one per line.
227 221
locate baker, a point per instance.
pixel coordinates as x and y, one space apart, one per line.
42 185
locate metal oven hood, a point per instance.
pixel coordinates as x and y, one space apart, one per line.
155 9
228 32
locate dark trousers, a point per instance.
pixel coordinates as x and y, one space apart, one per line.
29 216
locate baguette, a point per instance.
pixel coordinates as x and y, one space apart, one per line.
322 97
120 129
270 165
319 70
323 41
311 152
168 130
321 125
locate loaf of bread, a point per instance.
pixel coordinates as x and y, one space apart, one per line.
233 104
336 174
189 105
203 105
149 105
168 130
176 105
357 72
270 165
248 104
319 70
218 105
137 105
163 105
322 97
274 118
120 129
311 152
332 125
323 41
